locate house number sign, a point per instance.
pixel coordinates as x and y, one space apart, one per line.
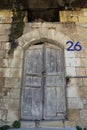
74 46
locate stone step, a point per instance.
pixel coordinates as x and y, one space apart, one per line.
36 128
47 124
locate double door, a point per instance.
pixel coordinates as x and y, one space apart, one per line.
43 92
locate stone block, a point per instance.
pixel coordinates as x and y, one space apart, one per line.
4 38
84 81
12 115
2 45
61 38
83 91
84 9
7 72
83 114
85 13
12 63
69 16
13 82
72 82
69 54
51 124
35 34
79 82
2 81
6 16
75 103
7 46
13 72
51 33
85 102
72 62
36 128
80 55
5 20
82 123
72 91
14 104
1 63
62 15
5 94
43 32
83 62
26 30
27 124
73 114
24 40
5 26
6 13
4 31
1 72
70 123
70 71
2 54
82 19
35 25
80 71
18 53
48 25
86 71
16 93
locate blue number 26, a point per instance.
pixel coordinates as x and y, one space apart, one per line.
74 47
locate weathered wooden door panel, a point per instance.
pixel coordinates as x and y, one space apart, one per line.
32 104
32 94
43 93
54 104
50 102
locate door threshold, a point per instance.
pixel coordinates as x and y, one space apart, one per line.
36 128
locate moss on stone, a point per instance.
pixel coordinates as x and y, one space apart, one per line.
17 25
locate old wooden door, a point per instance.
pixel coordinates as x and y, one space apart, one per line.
43 92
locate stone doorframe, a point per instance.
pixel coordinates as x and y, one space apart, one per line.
37 36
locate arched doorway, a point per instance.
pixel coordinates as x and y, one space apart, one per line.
43 92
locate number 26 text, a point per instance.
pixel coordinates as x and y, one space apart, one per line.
74 46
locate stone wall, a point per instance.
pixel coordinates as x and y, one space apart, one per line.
79 15
75 70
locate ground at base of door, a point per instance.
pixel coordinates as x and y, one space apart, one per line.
67 128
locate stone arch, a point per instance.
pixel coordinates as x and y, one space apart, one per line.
42 35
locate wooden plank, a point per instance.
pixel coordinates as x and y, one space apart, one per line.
32 84
54 87
50 103
33 61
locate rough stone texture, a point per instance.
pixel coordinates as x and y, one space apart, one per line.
75 103
51 124
70 123
75 69
27 124
12 115
82 123
37 128
74 114
72 91
70 71
81 71
6 16
74 16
